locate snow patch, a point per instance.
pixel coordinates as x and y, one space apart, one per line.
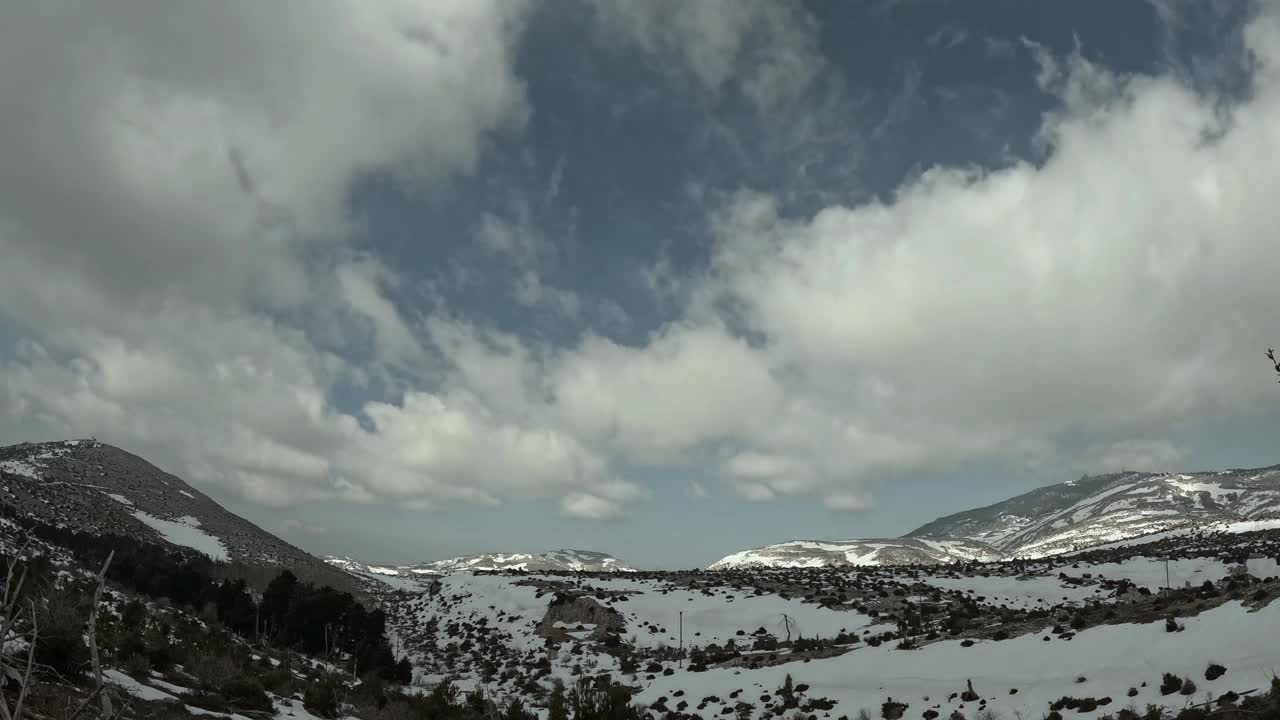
185 531
135 688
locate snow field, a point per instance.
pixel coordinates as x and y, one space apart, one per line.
1112 659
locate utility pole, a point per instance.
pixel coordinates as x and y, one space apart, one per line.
1167 586
681 638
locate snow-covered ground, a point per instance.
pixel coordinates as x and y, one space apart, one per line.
1015 592
719 617
1111 660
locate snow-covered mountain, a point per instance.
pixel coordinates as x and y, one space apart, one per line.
550 561
888 551
1051 520
95 488
1094 510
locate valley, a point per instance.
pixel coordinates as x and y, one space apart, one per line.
1084 597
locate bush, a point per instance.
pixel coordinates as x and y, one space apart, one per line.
136 664
1214 671
891 710
1170 684
1078 622
244 692
239 693
1188 687
321 698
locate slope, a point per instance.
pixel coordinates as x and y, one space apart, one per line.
96 488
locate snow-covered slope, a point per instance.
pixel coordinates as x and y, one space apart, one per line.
1061 518
892 551
1096 510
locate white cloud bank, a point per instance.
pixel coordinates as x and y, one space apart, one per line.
173 235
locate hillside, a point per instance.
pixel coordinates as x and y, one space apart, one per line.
1093 510
1051 520
100 489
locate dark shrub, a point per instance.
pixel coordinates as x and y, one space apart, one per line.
891 710
1214 671
321 698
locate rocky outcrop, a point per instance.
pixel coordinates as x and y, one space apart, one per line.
570 611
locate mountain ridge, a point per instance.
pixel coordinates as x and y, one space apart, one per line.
561 560
1049 520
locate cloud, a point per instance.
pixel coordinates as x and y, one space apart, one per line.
178 256
182 279
847 502
1141 455
294 525
589 507
557 177
766 50
697 491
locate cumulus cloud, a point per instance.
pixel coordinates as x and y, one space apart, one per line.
178 265
1141 455
589 507
294 525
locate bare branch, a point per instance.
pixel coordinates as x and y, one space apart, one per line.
31 663
84 703
103 695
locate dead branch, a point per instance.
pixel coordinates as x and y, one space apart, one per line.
31 664
103 695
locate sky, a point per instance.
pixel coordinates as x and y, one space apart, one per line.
664 279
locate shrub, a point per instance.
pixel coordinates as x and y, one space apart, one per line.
238 693
891 710
1170 684
1214 671
1188 687
61 647
1078 622
321 698
244 692
136 664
